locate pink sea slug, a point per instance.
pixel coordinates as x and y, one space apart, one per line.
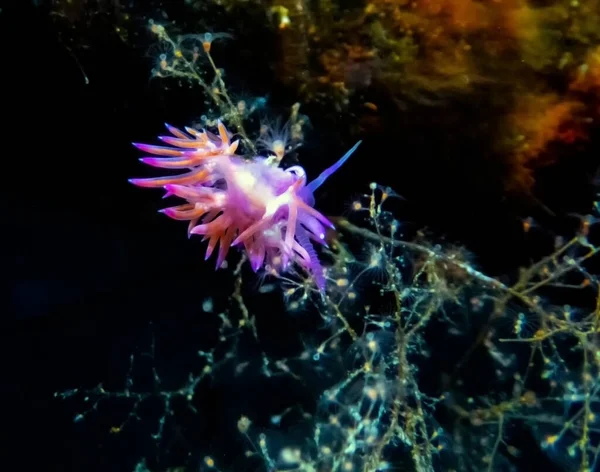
236 201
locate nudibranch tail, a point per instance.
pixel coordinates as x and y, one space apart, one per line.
315 184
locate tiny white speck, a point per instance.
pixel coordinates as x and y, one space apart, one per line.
207 305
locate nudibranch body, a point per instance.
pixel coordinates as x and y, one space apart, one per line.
236 201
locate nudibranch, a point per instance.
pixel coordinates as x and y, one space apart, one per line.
233 201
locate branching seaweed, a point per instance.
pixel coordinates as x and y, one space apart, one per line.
392 309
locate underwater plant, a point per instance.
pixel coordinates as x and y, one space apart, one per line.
411 358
